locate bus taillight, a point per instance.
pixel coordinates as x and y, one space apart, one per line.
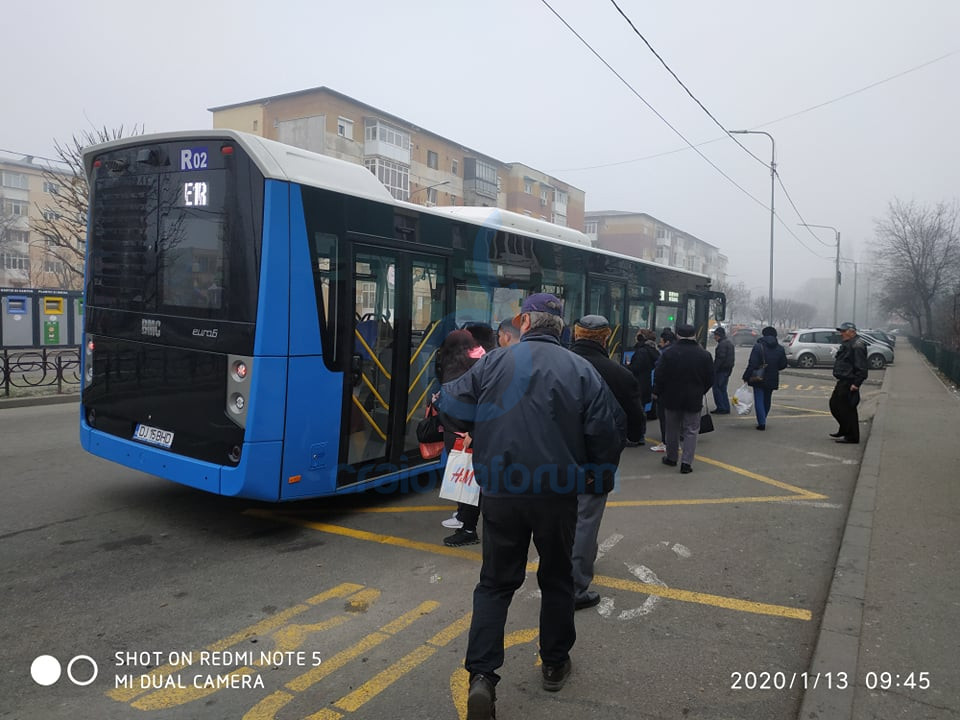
239 369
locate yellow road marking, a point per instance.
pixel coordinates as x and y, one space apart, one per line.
761 478
673 594
749 606
711 501
804 410
460 679
342 590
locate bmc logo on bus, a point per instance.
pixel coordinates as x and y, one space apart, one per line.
193 158
150 328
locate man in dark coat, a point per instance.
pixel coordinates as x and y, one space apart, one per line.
722 368
541 417
591 334
645 356
682 377
850 370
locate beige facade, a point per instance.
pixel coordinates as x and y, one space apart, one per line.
413 163
26 259
544 197
644 236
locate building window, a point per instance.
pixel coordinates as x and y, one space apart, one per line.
18 236
528 187
14 261
256 124
345 128
432 160
394 176
52 266
543 197
376 130
560 200
454 167
453 199
52 188
431 197
49 214
15 180
17 208
590 228
483 176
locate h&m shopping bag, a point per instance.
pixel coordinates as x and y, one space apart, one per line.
459 483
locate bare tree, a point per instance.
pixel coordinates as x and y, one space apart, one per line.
918 254
738 298
62 223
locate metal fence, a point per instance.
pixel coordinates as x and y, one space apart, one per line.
40 371
947 361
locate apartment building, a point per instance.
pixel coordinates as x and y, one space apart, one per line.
27 259
644 236
414 164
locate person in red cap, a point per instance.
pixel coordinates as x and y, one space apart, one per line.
541 419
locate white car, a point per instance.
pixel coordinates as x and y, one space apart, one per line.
810 347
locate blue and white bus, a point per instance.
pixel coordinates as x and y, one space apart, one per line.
262 321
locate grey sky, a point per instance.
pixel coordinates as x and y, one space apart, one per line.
507 78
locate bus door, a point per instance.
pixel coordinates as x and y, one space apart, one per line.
607 298
399 308
697 313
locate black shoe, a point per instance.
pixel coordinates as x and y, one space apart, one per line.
847 441
482 698
589 600
668 461
761 427
462 537
836 435
634 443
554 676
684 468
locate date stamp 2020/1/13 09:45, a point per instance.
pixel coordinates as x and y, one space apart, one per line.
781 680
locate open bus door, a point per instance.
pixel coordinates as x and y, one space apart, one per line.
400 306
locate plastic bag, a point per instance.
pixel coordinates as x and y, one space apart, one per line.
459 483
743 399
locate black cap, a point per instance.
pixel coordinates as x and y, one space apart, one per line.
593 322
686 330
718 330
769 331
847 326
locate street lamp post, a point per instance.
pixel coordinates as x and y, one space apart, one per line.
836 268
428 187
773 175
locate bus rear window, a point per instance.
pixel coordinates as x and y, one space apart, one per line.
190 251
176 238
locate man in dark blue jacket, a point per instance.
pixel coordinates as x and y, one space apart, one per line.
541 418
723 358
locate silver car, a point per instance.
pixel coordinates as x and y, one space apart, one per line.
810 347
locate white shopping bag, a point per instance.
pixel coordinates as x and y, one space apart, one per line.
743 399
459 483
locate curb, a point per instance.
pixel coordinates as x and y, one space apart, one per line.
837 651
38 400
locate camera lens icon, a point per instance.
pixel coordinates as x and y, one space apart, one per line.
46 670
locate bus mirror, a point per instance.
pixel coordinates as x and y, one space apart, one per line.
720 309
356 368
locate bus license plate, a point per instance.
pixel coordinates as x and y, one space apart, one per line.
154 436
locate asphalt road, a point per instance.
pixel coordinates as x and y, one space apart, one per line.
713 586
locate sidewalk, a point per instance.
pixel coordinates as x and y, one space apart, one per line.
893 611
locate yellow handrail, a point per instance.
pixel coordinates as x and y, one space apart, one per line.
369 419
422 370
424 342
373 355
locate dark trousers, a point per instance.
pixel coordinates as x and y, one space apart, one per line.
468 515
508 523
844 410
720 397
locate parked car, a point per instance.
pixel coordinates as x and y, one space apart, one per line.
881 335
810 347
744 336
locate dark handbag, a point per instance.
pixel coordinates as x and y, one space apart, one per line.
758 375
706 422
430 434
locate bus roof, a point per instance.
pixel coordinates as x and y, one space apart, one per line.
285 162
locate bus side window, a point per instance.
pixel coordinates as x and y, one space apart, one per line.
324 258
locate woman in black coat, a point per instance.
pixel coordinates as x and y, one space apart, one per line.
645 355
770 355
458 353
